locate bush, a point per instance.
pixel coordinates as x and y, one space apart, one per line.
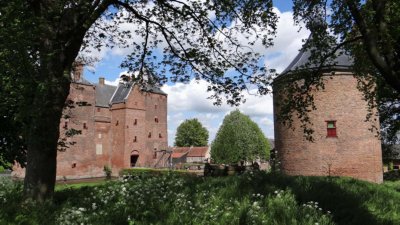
392 175
254 197
149 172
107 171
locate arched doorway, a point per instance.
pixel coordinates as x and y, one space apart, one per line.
134 157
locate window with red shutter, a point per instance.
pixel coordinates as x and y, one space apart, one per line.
331 129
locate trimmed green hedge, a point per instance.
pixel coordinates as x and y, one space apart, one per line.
392 175
142 172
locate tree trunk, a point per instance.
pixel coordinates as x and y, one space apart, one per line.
43 132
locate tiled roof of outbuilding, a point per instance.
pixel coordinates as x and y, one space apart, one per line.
198 151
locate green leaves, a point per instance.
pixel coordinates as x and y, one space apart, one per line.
191 133
239 139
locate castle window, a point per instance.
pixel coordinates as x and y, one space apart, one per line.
65 125
156 119
135 122
99 149
73 165
155 155
98 109
159 135
155 106
85 126
331 129
135 139
149 135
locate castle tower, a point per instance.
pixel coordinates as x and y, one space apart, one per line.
343 143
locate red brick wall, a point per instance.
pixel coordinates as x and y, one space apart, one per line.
136 109
114 130
356 152
80 160
156 107
118 136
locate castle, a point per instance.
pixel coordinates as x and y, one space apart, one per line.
121 127
343 143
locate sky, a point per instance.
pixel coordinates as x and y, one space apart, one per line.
187 101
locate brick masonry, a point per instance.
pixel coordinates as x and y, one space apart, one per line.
108 133
355 152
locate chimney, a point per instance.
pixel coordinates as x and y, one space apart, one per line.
101 81
77 70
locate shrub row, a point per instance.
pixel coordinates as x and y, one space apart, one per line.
145 172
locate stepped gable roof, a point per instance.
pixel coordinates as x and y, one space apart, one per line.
342 62
198 151
104 93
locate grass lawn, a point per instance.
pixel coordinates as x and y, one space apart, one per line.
251 198
62 186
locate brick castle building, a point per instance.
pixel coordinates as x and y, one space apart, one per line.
121 126
343 143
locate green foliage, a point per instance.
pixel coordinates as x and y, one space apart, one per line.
191 133
392 175
107 171
146 172
40 40
251 198
239 139
368 31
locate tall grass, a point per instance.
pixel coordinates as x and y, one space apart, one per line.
251 198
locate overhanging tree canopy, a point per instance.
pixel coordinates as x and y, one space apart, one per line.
41 39
366 30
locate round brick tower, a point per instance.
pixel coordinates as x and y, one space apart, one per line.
343 143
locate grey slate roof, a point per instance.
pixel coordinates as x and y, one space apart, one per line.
342 62
123 89
104 94
121 92
155 90
82 81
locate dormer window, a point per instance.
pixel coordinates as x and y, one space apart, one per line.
331 128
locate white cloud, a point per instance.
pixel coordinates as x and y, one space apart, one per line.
186 101
287 42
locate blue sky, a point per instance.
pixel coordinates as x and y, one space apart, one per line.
186 101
